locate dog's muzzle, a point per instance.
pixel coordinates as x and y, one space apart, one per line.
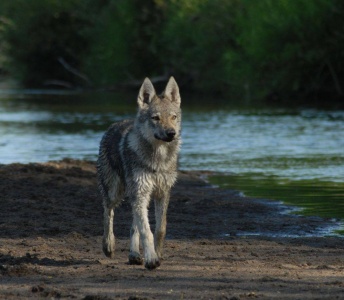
169 135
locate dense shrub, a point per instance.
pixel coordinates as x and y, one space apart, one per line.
278 50
289 50
195 37
123 42
41 34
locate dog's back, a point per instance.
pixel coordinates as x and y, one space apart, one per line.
110 169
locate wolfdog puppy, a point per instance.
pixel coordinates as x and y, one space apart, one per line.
138 161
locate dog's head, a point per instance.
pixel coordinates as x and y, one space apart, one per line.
159 115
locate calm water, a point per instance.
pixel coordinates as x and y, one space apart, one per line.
296 156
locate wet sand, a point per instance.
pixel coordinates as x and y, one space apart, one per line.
219 244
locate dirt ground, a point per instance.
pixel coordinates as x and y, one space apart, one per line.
50 243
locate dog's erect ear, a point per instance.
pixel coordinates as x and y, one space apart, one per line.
172 91
146 93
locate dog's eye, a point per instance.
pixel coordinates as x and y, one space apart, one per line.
174 117
156 118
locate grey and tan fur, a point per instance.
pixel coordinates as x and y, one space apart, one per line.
138 161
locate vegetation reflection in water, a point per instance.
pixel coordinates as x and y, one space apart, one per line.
315 197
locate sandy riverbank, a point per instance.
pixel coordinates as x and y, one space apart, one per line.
50 243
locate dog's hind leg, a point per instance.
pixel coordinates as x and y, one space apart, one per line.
161 205
134 255
108 236
110 201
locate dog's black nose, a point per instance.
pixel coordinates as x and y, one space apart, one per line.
170 133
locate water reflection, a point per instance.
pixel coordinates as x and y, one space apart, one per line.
282 145
316 197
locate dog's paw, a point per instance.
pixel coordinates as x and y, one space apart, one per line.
151 265
135 258
109 254
109 247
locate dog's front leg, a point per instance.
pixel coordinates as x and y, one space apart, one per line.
140 215
161 205
134 255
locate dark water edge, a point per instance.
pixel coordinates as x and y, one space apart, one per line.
310 198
